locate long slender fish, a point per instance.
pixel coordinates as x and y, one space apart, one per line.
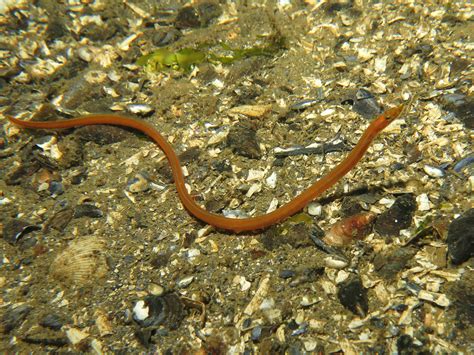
216 220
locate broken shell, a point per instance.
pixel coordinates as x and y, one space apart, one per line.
350 228
140 109
251 110
13 230
153 311
81 263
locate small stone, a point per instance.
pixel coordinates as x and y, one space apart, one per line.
87 210
365 104
242 139
287 274
185 281
52 321
460 238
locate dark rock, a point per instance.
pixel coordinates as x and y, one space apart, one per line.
52 321
458 65
460 238
13 317
78 92
87 210
14 229
56 188
350 206
297 235
462 295
242 139
287 274
364 103
17 175
397 217
353 296
208 11
215 205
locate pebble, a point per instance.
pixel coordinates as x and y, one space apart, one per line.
460 238
256 333
242 139
56 188
87 210
287 274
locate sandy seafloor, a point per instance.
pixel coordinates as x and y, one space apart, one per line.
94 237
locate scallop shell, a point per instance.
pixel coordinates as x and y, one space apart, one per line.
81 263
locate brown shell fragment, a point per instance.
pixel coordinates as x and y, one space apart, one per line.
346 230
81 263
